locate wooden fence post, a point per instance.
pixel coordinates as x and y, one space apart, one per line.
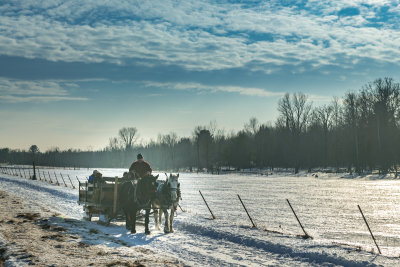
34 172
369 229
207 205
305 233
63 179
55 174
51 181
254 226
71 181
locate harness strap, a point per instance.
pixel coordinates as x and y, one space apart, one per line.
136 199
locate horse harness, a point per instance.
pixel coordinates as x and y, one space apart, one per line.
167 193
135 194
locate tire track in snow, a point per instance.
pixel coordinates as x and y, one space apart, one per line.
278 250
64 200
205 251
62 194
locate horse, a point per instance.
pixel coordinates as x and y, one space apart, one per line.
167 197
136 195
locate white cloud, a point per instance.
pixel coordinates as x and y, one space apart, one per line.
259 92
188 33
320 99
17 91
38 99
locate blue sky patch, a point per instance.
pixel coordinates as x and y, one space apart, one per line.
193 60
348 12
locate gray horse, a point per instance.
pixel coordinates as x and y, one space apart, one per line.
167 197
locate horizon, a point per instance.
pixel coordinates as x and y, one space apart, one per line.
73 73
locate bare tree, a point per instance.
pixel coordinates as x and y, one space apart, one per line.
170 140
252 126
324 116
128 136
113 144
351 119
336 112
295 113
212 127
384 95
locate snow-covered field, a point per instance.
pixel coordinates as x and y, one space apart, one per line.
326 206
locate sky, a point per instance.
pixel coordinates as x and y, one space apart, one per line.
72 73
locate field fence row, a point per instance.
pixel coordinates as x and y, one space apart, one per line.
44 175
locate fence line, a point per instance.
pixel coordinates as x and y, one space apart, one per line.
21 171
25 172
63 179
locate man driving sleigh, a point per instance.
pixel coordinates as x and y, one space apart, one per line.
140 168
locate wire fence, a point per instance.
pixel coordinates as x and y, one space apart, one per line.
41 174
49 175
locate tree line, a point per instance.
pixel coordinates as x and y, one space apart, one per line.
359 132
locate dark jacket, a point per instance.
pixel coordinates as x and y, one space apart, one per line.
141 168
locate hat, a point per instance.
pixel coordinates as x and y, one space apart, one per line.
95 172
139 156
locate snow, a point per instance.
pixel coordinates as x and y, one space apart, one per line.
326 206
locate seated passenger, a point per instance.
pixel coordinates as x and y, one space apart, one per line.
128 175
95 176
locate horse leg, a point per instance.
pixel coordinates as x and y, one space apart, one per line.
160 212
166 226
133 221
156 221
127 221
171 218
146 222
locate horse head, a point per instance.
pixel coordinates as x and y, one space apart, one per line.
173 185
150 182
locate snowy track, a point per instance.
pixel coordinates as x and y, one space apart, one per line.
229 240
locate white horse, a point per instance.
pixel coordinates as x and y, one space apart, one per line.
167 197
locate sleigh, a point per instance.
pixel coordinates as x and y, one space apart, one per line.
100 199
